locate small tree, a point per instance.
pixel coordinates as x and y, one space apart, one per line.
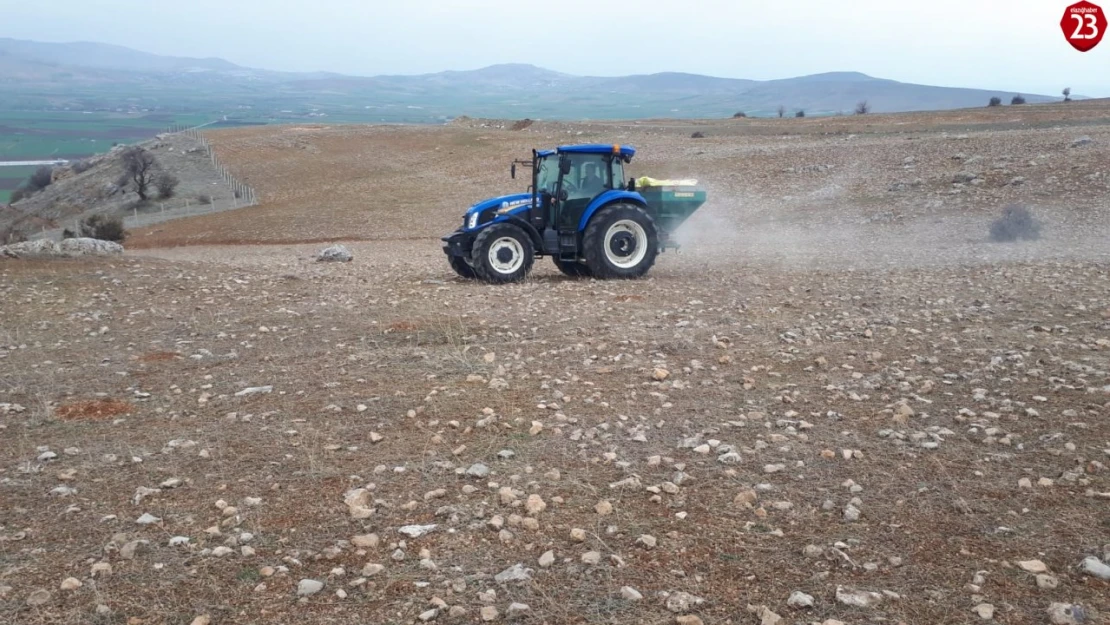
781 110
141 167
1017 100
739 115
167 184
103 228
863 108
800 113
995 101
1067 94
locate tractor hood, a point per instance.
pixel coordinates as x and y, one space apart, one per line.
488 210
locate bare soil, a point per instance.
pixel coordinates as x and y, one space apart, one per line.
855 347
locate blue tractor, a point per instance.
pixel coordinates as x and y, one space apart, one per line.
579 210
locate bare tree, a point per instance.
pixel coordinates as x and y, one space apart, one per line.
781 110
862 107
1067 94
140 166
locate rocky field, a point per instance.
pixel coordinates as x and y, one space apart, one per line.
841 403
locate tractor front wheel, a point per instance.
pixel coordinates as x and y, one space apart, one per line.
461 267
502 253
572 269
620 242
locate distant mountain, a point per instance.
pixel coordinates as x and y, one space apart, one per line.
99 76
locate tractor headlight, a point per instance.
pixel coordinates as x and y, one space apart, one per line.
472 222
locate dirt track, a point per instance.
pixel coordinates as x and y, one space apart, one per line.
833 386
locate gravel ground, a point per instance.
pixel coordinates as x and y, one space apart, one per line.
848 413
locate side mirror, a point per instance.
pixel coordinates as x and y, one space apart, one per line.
512 171
631 184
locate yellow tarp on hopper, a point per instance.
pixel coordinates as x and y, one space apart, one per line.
645 181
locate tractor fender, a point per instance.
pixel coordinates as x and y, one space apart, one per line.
537 240
607 198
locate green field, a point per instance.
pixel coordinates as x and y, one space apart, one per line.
34 135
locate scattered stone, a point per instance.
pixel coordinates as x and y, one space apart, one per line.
517 610
765 615
547 559
985 611
857 598
428 615
307 587
416 531
515 573
478 470
629 593
1093 566
799 599
147 519
535 504
38 598
334 254
366 541
682 601
591 557
71 583
688 619
1066 614
1033 566
489 613
1047 582
254 390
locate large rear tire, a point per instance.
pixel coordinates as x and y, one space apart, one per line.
620 242
502 253
461 267
572 269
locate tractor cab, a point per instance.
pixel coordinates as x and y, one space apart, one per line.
565 181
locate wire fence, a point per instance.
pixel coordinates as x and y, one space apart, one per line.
240 189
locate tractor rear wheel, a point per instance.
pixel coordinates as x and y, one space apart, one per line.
461 267
502 253
572 269
620 242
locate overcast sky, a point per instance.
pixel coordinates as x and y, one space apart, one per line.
1012 45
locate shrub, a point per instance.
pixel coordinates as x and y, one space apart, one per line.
781 110
800 113
68 234
82 166
739 115
696 135
103 228
1017 100
995 101
1015 223
863 108
167 184
1067 94
41 179
204 198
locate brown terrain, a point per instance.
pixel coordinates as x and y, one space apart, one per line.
840 402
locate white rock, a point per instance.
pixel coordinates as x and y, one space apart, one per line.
799 599
147 519
478 470
1066 614
38 597
254 390
372 569
984 610
1033 566
591 557
416 531
857 598
518 609
71 583
308 587
515 573
334 254
366 541
1093 566
682 601
547 559
535 504
428 615
629 593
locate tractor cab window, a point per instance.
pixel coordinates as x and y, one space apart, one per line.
588 177
617 173
548 174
